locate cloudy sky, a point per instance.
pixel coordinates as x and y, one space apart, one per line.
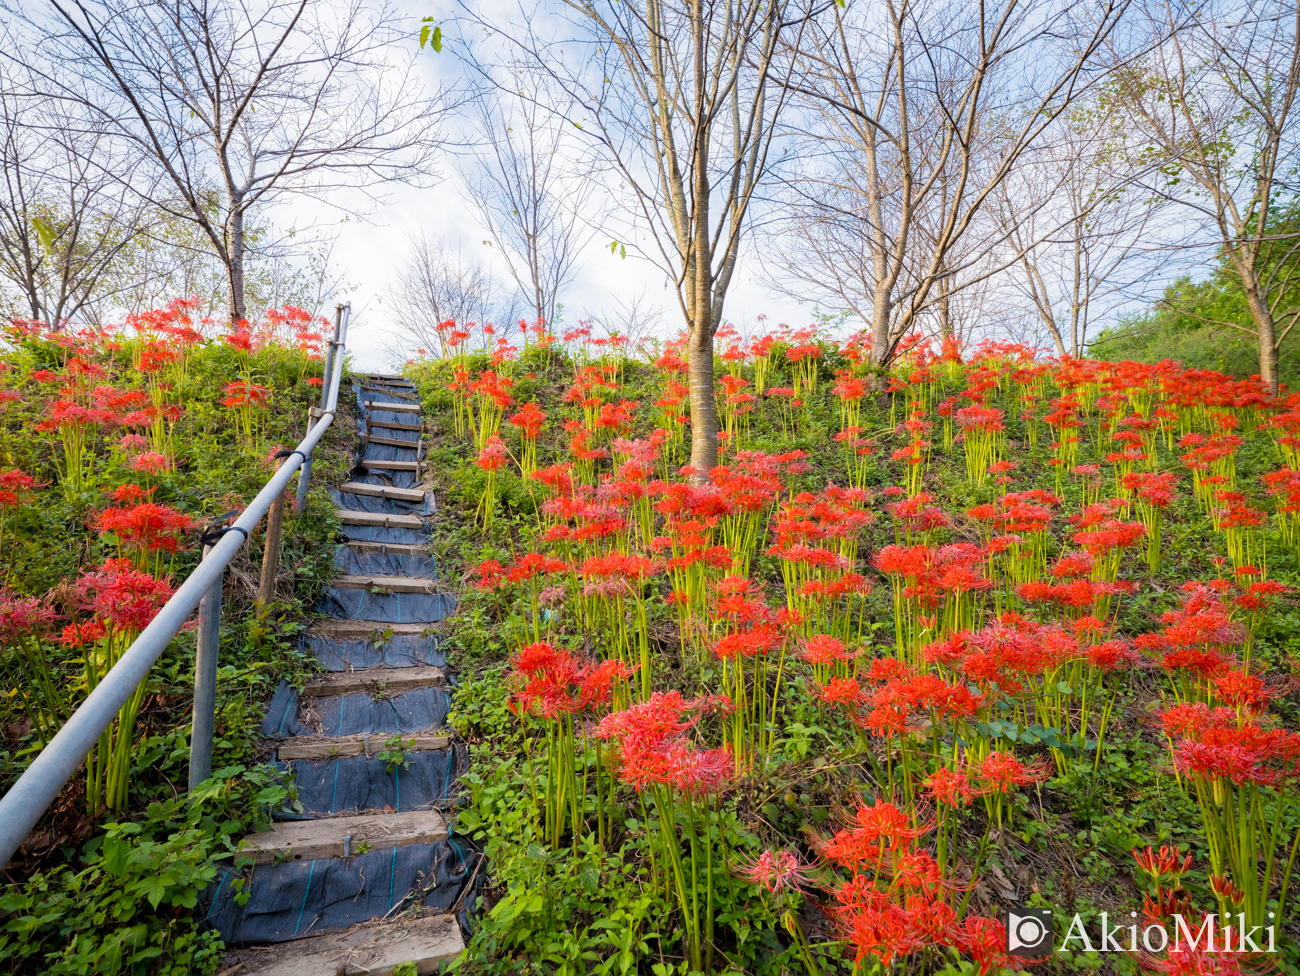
369 251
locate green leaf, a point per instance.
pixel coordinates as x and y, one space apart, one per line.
430 34
44 232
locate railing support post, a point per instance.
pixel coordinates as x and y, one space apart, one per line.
304 473
205 682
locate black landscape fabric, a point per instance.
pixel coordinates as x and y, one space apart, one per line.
358 784
296 899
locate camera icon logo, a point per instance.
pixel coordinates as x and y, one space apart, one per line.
1029 931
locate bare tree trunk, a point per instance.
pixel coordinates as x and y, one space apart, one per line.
235 306
945 308
881 353
704 404
1263 317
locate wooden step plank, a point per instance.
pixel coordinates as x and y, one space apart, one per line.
382 519
372 949
311 840
393 407
396 426
370 680
383 491
391 380
392 465
388 392
393 584
316 747
362 629
393 442
398 548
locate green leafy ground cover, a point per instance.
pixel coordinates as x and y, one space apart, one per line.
99 890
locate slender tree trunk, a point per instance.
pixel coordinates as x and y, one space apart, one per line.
881 309
235 306
1267 337
704 404
945 309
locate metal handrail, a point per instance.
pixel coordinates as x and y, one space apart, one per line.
27 800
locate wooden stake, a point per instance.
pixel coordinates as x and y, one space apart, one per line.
271 554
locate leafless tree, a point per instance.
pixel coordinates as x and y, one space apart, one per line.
1212 108
530 187
64 223
436 284
1080 225
238 106
634 318
915 112
681 98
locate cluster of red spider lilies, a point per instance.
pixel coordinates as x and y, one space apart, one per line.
1005 612
97 405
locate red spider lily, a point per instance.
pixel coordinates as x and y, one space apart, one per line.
129 494
244 397
554 686
826 654
528 421
492 393
557 684
1242 771
14 484
1002 771
1188 961
840 691
895 904
151 463
244 393
849 390
774 870
74 424
1169 862
25 624
879 830
652 750
951 788
493 456
653 754
1197 641
122 601
985 941
608 580
20 616
983 435
120 596
147 529
1245 692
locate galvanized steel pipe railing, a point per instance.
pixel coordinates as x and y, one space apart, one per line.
57 763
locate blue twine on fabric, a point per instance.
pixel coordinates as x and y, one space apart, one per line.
217 894
310 872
